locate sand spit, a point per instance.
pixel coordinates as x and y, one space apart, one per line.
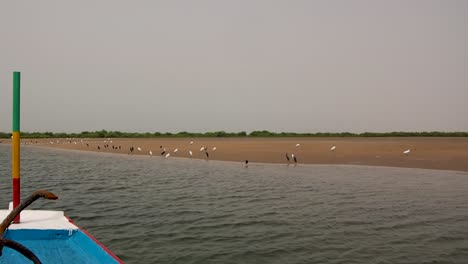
430 153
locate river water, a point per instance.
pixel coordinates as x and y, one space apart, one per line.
156 210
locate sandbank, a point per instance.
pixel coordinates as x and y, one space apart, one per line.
442 153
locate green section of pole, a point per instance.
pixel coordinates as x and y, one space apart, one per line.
16 101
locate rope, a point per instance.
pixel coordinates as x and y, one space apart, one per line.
21 249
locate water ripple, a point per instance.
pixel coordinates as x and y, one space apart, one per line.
189 211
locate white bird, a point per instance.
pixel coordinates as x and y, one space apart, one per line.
214 149
406 152
297 145
168 154
202 148
175 150
151 153
191 142
139 149
294 158
190 152
333 148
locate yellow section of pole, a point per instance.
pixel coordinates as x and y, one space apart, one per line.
15 170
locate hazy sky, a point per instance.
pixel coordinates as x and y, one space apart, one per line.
239 65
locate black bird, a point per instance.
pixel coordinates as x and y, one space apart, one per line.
98 147
162 153
246 163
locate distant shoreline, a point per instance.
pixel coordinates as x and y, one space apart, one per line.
224 134
442 153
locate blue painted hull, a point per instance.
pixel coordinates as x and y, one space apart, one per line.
57 246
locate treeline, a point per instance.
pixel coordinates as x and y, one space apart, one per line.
262 133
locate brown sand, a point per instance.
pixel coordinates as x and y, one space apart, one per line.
430 153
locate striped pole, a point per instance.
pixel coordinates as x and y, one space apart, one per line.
15 171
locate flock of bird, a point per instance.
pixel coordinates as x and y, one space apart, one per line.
166 153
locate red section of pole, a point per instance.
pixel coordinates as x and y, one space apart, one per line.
16 197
